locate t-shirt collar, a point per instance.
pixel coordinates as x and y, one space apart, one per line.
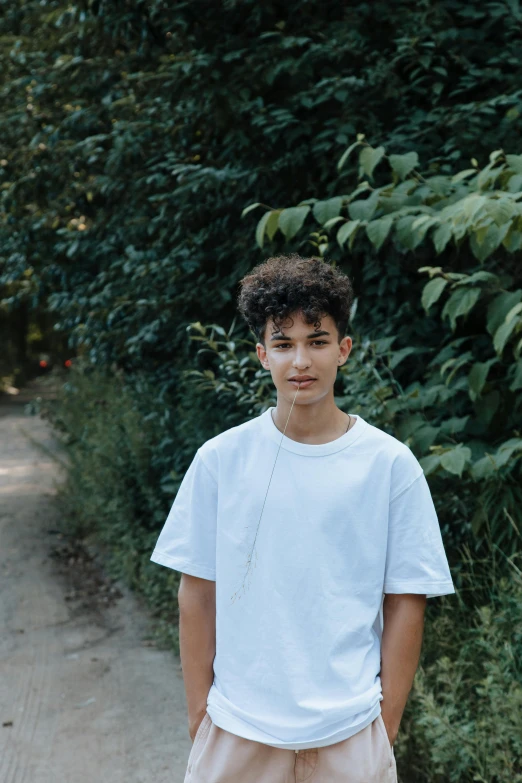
311 449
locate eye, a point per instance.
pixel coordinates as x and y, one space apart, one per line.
321 342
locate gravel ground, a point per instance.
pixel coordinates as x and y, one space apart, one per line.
84 696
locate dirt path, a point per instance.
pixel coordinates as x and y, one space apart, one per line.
83 697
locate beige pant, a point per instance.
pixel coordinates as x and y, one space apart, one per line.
217 756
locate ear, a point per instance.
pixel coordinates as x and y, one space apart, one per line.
261 355
345 346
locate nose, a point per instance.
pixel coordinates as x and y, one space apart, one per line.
301 361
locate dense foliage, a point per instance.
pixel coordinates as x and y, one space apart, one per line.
458 366
133 135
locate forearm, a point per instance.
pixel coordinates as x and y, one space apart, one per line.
400 652
197 642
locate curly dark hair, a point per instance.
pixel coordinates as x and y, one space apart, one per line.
286 284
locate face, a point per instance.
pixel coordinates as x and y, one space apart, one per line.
301 350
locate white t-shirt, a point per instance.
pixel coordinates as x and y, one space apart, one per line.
298 651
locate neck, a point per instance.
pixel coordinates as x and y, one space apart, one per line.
314 423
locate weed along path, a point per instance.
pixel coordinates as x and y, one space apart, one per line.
83 697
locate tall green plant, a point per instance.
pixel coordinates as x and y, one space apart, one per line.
456 400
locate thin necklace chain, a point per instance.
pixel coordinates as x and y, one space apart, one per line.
249 560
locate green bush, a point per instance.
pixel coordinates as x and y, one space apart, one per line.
133 134
463 721
452 347
127 453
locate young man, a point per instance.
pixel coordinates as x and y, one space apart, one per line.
308 543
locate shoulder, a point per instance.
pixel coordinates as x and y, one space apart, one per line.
403 465
228 442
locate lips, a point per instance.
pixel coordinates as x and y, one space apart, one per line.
302 384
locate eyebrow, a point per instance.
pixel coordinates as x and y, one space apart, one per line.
280 336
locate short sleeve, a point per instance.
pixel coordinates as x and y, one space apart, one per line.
415 559
187 542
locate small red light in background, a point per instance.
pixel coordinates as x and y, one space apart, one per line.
43 363
67 362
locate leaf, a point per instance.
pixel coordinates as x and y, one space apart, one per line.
478 277
402 165
71 251
429 463
471 206
486 406
368 160
425 436
483 468
490 463
421 226
513 240
506 451
332 222
408 425
455 365
515 162
432 291
508 326
462 175
441 236
500 209
499 307
514 184
364 209
346 153
403 232
477 377
326 210
250 208
292 219
493 156
461 301
490 241
515 310
489 174
378 230
516 383
273 223
439 184
454 425
260 230
431 270
455 460
398 356
198 326
362 187
347 230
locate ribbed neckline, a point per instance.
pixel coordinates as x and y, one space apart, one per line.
312 449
